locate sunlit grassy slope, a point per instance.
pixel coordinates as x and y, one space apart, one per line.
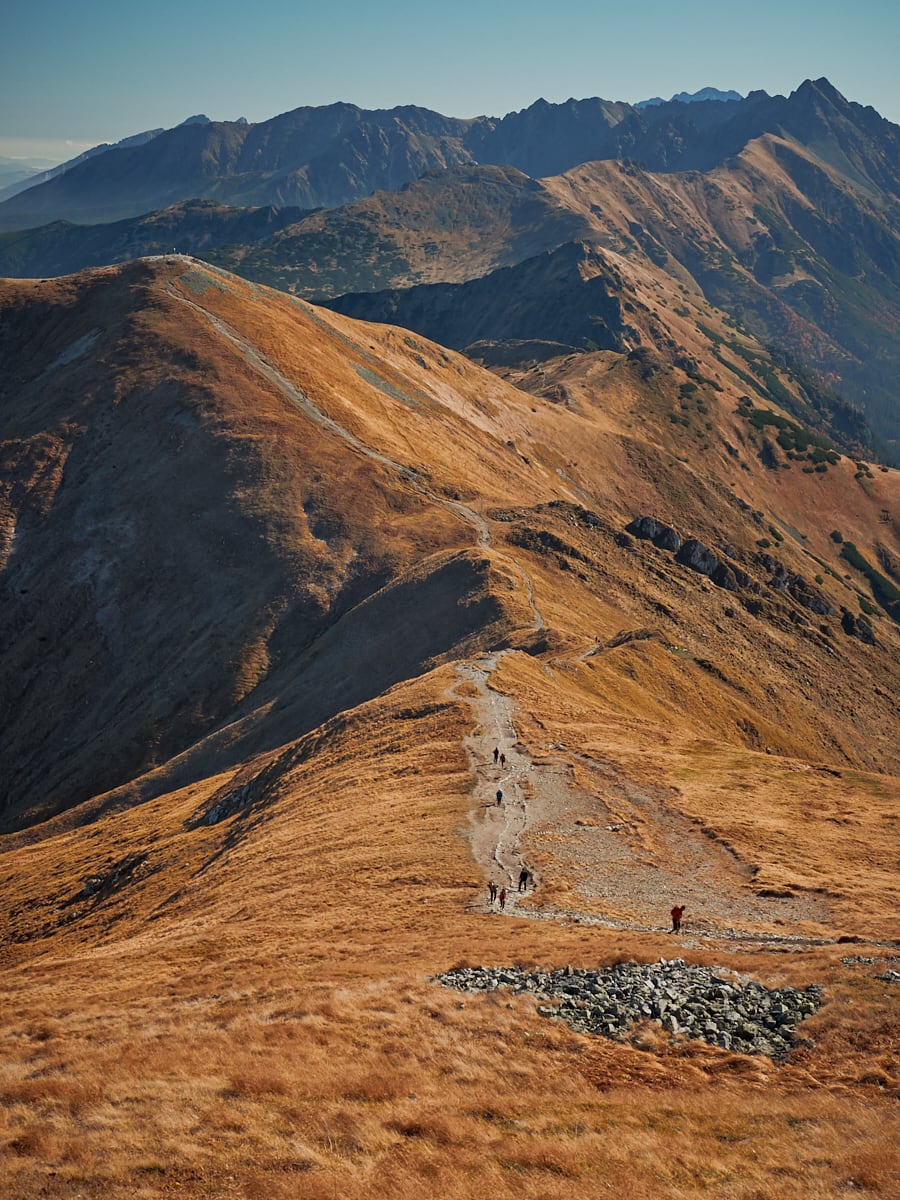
246 1008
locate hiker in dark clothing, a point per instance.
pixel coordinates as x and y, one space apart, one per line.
499 796
502 898
492 891
496 754
523 879
502 760
677 914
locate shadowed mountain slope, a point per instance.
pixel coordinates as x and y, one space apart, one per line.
448 226
192 227
306 158
180 522
566 299
781 211
277 590
797 253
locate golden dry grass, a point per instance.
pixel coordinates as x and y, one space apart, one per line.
251 1014
255 1018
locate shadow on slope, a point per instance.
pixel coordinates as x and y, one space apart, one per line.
568 296
450 605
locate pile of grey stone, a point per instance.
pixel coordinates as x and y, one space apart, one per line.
705 1003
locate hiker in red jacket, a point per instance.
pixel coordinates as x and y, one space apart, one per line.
677 914
502 898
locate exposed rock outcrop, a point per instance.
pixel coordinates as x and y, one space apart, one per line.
698 557
655 531
693 1002
857 627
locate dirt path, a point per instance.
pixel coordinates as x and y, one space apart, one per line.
496 828
623 854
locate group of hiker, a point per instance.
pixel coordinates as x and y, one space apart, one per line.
500 896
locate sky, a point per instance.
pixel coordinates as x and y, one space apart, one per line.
73 75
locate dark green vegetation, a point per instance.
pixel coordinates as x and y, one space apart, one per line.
885 592
801 444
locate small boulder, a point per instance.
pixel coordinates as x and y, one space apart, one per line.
857 627
724 577
645 527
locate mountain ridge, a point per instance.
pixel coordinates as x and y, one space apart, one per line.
315 635
335 154
432 493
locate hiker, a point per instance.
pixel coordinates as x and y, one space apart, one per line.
502 760
499 796
523 879
502 898
496 754
677 914
492 891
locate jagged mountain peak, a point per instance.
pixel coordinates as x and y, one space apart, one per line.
327 156
707 93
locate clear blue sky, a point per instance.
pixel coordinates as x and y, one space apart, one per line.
76 74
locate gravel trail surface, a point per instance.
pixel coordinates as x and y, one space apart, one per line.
625 852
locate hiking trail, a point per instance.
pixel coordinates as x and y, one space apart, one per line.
623 852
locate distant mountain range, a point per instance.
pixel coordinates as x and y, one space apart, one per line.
16 174
782 212
329 156
707 93
38 176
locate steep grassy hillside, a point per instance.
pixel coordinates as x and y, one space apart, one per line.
303 476
288 599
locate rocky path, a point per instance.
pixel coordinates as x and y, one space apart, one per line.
496 828
625 852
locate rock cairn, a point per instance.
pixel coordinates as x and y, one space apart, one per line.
690 1002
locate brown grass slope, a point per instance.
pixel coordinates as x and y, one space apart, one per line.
449 225
802 254
224 990
301 479
251 1014
176 526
